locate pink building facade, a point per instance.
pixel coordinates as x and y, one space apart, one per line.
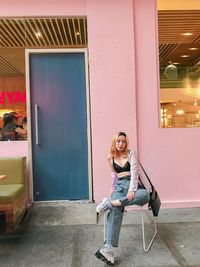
124 92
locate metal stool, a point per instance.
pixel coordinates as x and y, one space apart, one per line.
146 247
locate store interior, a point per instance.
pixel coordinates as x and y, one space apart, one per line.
18 34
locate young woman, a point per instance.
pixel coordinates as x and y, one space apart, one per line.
126 190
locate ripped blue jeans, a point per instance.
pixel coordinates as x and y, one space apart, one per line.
115 215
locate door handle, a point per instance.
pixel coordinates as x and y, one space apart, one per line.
36 126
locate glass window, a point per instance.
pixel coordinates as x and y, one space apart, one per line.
179 57
17 34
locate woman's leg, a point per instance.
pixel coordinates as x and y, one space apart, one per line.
141 197
114 221
115 215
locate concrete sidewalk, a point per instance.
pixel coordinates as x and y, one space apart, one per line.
68 236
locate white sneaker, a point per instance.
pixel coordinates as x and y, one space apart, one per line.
106 254
104 205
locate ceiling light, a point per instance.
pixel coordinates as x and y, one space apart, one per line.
38 34
176 63
78 33
185 56
180 112
187 33
193 48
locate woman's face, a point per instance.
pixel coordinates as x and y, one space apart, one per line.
121 143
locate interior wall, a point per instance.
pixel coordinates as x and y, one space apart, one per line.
170 155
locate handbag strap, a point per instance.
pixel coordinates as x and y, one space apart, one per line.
146 174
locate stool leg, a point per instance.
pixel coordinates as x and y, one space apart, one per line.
143 233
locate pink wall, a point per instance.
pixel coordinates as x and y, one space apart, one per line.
111 54
13 8
111 58
13 149
118 31
172 155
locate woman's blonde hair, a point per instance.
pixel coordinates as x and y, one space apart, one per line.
113 150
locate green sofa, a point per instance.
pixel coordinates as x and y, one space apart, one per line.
13 189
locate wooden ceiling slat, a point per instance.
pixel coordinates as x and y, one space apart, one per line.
64 30
32 32
20 33
69 30
29 34
27 38
9 37
6 43
8 68
44 32
85 31
12 34
79 30
171 25
6 73
58 26
54 31
22 36
75 31
15 56
38 31
165 51
197 39
49 31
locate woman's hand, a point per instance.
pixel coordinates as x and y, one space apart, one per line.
130 195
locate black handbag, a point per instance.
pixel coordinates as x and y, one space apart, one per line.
154 201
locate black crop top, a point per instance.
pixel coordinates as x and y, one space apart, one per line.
118 169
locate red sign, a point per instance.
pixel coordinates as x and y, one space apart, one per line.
12 97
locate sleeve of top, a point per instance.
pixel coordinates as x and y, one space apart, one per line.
114 180
134 171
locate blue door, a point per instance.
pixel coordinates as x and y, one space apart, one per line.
59 126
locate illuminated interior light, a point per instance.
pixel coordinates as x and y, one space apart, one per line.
38 34
187 33
78 33
180 112
195 103
193 48
197 116
185 56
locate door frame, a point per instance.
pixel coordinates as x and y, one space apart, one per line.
28 52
